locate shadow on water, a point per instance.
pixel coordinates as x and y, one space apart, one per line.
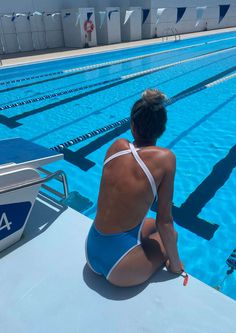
186 214
78 158
208 188
199 122
100 285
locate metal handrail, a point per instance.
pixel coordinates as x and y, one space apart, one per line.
165 37
61 178
173 32
59 175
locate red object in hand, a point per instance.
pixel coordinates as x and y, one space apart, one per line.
185 280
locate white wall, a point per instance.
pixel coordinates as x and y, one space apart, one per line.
75 4
110 31
187 23
132 30
10 6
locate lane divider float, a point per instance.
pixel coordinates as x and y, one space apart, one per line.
110 63
121 122
122 79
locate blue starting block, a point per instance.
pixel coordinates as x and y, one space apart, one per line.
20 182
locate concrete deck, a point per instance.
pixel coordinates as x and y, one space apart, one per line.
53 54
46 286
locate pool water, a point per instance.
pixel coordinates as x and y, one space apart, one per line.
57 103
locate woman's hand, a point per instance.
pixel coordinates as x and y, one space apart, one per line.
176 270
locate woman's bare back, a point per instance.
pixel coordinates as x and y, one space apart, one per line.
125 192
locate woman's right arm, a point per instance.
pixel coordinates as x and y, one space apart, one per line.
164 213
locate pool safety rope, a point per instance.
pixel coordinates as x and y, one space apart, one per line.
116 62
220 80
109 63
61 93
148 71
90 134
98 66
121 122
122 79
30 78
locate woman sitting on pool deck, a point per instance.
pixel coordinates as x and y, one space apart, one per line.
122 244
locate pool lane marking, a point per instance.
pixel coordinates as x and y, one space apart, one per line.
116 62
220 80
89 135
187 214
80 70
216 79
12 122
119 80
148 71
144 56
61 93
185 93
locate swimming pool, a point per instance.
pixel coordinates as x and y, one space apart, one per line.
82 104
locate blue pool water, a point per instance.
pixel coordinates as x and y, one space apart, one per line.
56 102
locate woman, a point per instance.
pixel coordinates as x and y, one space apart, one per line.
122 244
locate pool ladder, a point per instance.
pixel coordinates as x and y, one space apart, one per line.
170 32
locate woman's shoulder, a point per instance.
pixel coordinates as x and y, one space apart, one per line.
166 158
163 157
117 145
160 151
166 152
121 143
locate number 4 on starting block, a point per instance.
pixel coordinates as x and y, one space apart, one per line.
4 223
13 218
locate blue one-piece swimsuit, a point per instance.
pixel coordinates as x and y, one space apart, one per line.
105 251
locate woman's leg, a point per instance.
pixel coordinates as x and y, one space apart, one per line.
141 262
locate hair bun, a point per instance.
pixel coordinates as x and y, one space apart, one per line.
153 96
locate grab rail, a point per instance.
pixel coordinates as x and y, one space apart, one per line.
175 33
172 32
58 175
61 177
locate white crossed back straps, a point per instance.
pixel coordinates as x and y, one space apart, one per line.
119 153
143 166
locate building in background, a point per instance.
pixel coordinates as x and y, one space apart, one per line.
28 25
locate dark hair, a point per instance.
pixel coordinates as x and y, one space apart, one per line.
149 115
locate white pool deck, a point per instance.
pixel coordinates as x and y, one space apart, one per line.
46 287
23 58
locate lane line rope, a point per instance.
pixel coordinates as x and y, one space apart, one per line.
121 122
122 78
